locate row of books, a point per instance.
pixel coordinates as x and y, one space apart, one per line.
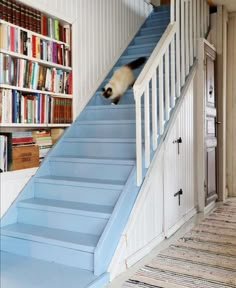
21 107
21 15
20 41
31 19
29 74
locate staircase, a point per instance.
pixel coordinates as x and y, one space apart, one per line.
74 209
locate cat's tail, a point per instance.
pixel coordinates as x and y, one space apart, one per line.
136 63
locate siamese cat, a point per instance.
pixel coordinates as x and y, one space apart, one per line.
121 79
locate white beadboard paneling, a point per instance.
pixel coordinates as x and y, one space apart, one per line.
231 107
105 27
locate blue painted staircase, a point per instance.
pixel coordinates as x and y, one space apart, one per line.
73 211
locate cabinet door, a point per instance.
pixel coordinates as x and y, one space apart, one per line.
172 179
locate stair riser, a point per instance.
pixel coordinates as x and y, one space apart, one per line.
109 114
47 252
107 150
99 196
139 50
71 222
153 22
147 40
152 30
90 170
105 130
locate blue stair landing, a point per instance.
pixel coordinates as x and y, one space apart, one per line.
70 215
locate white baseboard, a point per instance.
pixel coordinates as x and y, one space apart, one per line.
138 255
181 222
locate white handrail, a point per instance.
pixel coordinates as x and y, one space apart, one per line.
153 60
165 73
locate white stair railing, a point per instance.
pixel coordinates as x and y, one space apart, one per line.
165 72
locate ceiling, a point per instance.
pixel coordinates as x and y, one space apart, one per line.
230 4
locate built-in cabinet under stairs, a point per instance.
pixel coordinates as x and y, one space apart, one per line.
69 217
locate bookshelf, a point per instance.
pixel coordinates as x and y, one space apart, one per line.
35 74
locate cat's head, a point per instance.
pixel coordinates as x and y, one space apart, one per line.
107 91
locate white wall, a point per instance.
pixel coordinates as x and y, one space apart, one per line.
231 107
101 32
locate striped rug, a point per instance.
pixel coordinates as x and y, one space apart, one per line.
204 258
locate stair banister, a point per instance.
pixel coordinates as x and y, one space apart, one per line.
189 20
141 87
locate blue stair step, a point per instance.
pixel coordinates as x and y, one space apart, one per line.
145 39
105 129
92 191
57 217
113 112
141 48
26 272
114 169
104 147
60 246
152 30
76 208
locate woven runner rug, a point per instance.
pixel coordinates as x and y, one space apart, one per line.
204 258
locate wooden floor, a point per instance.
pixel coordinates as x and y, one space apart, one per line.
204 258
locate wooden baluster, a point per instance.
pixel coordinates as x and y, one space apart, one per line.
178 49
138 139
154 110
147 126
167 83
161 94
173 94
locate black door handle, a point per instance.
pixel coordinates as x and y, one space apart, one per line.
178 141
179 193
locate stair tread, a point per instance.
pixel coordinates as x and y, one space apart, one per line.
108 121
65 238
29 272
99 183
116 161
112 107
102 211
101 140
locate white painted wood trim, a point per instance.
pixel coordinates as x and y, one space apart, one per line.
138 141
161 96
182 43
181 222
147 126
167 89
131 260
154 110
173 90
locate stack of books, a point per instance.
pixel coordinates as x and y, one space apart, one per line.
44 140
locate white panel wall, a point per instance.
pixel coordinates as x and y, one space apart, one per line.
101 32
231 107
